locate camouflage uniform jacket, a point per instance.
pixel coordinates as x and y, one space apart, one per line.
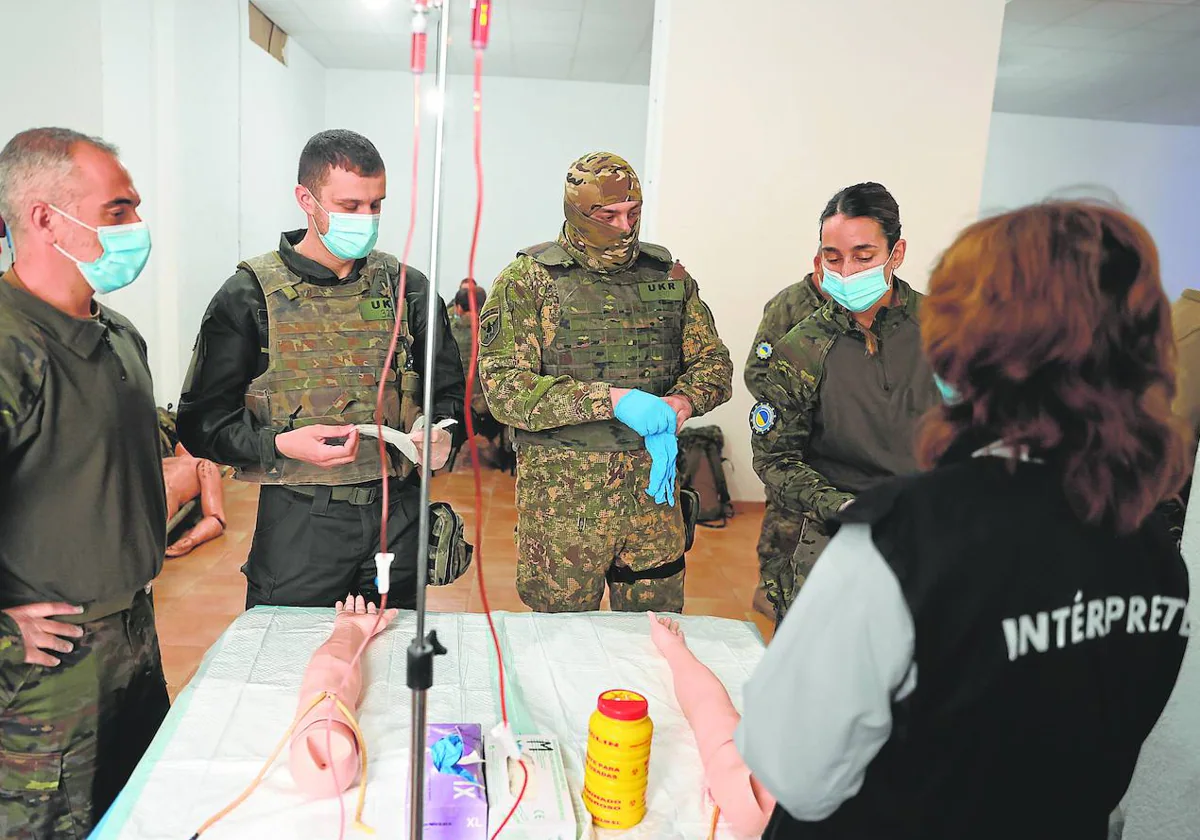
782 312
520 319
783 420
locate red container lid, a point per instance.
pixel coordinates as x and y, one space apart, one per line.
620 704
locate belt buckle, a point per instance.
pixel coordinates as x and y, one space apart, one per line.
361 496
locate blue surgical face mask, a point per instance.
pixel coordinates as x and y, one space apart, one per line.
126 248
351 236
950 394
858 292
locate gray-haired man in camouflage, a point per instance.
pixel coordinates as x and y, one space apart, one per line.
82 503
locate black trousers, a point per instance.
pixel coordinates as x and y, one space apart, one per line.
311 552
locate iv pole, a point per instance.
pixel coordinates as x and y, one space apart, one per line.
424 647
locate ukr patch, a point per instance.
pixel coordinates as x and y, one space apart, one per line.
764 350
489 328
762 418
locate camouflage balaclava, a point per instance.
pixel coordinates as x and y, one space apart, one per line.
594 181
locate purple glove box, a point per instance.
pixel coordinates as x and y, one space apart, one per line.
455 809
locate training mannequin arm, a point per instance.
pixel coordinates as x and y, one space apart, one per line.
743 801
819 704
212 494
324 759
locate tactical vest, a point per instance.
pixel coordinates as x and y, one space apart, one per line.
625 329
327 346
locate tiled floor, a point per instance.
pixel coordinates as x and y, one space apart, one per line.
197 596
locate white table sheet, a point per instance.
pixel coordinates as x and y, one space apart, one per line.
226 722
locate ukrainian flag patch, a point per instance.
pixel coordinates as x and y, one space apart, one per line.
764 350
762 418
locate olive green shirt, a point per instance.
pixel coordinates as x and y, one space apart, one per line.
82 503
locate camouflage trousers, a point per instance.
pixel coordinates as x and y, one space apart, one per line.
583 520
787 550
776 548
71 736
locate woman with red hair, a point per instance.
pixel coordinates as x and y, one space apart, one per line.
982 649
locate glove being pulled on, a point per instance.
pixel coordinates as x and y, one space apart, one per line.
645 413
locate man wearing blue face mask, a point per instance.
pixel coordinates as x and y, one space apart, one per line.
82 502
287 362
843 389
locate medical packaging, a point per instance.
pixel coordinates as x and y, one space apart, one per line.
455 793
545 812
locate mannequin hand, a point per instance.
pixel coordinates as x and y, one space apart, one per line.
645 413
666 634
41 634
311 444
356 612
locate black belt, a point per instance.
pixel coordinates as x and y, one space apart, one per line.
351 494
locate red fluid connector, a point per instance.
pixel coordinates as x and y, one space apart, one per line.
419 37
481 21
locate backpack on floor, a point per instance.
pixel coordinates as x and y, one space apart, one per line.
702 469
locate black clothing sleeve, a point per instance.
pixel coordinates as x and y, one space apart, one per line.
230 351
449 382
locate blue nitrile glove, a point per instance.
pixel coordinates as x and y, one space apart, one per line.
645 413
664 449
446 753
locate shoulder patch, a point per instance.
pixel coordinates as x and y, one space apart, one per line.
656 252
547 253
489 328
762 418
764 351
677 272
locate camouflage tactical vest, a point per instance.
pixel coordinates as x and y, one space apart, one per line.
327 346
624 328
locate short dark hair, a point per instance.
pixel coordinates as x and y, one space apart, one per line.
463 299
337 148
867 201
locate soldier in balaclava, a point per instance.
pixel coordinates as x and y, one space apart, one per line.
595 348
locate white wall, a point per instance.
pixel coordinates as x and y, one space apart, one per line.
749 157
281 107
206 165
1153 170
51 56
532 130
49 81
